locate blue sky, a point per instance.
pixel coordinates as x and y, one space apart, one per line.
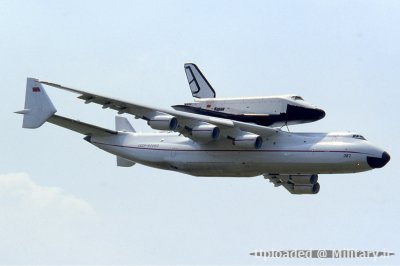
62 201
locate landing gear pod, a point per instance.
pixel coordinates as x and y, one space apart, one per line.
303 189
304 179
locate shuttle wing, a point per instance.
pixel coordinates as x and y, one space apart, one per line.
229 128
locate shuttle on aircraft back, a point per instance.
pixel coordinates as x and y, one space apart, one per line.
265 111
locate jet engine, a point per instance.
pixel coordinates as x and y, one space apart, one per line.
248 141
205 132
163 122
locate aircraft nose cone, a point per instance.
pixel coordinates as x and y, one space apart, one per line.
375 162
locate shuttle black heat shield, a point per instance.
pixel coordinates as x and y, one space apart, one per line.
294 115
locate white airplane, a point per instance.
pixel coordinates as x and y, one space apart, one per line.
202 145
266 111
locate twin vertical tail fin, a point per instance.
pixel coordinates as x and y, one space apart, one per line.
38 106
122 124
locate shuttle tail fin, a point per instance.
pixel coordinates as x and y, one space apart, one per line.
38 106
198 84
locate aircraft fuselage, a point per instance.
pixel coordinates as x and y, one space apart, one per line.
285 153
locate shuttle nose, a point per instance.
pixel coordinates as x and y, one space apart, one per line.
319 113
304 113
375 162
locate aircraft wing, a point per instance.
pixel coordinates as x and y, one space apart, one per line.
228 128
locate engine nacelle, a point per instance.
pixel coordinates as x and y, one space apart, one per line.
205 132
303 179
248 141
303 189
163 122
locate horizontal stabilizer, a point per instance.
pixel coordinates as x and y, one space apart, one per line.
80 127
122 162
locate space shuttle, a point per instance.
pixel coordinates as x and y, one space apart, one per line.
272 111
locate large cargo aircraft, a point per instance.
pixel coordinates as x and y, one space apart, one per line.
266 111
202 145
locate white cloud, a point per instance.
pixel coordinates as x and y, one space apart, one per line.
22 191
41 225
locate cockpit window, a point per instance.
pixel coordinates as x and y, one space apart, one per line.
297 98
358 137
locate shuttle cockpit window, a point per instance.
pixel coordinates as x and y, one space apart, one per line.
297 98
358 137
